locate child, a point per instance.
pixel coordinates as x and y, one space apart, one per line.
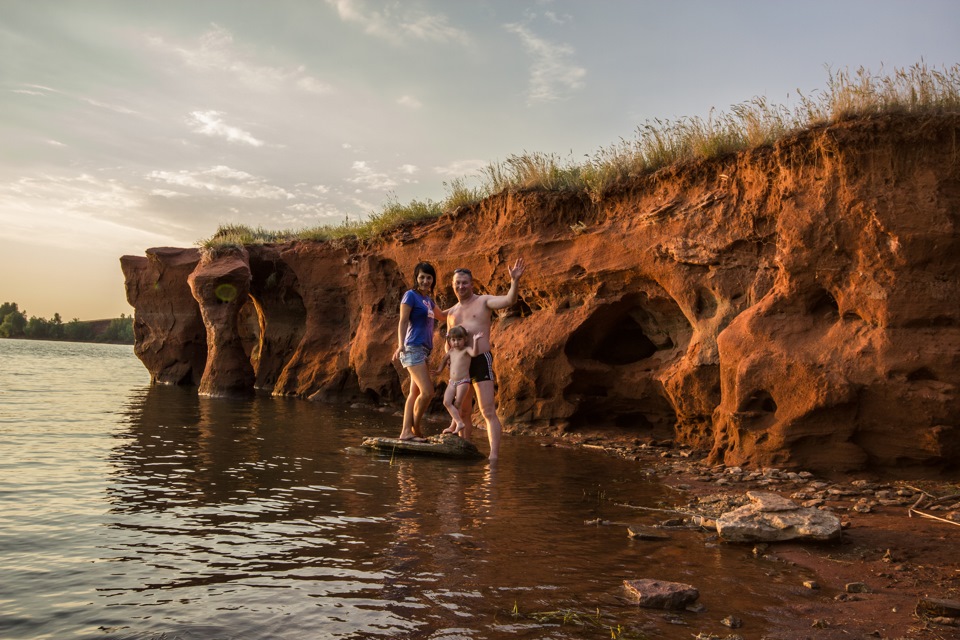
458 357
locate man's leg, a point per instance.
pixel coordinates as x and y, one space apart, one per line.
488 407
465 407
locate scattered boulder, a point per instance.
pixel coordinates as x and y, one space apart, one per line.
659 594
773 518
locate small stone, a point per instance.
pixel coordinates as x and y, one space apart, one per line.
733 622
811 584
862 508
857 587
659 594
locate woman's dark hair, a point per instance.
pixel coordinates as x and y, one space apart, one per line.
426 268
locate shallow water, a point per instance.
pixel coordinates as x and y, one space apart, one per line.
131 511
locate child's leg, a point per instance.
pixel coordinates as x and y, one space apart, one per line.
459 393
449 397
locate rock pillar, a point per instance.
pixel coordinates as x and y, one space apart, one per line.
221 286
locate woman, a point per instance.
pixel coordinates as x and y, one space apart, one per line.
418 313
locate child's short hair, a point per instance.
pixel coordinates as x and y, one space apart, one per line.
457 332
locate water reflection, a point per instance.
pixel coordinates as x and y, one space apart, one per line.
209 518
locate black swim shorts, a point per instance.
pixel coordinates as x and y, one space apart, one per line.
481 367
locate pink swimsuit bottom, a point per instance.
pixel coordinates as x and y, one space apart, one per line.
457 383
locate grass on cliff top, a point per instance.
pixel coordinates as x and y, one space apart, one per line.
657 144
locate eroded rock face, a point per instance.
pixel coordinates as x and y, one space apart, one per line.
170 338
792 306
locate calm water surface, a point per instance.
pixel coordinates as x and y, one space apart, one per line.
132 511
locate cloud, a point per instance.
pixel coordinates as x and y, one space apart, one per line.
40 90
397 23
460 168
222 180
79 211
552 74
215 51
367 177
210 124
312 85
410 102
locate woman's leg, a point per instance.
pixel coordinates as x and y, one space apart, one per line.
407 431
420 377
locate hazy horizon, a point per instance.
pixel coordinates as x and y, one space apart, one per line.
130 124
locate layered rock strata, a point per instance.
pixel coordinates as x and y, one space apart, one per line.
791 306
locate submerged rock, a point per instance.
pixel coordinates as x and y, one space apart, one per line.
771 518
640 532
659 594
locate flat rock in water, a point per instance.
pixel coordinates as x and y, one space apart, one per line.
772 518
660 594
443 445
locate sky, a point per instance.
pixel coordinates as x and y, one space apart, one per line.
130 124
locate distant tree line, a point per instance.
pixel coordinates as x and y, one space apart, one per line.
15 324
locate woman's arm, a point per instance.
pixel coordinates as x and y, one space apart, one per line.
439 314
402 328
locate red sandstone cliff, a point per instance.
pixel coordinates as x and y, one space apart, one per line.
793 306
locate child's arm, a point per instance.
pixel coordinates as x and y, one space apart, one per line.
473 348
443 363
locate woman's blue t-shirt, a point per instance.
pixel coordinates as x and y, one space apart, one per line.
420 329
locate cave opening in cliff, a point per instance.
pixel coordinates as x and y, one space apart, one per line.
760 402
617 355
276 320
824 306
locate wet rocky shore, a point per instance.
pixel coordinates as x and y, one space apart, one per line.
893 571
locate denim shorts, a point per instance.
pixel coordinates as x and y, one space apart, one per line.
414 354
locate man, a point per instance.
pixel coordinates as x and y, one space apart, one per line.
474 313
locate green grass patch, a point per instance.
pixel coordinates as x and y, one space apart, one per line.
656 144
